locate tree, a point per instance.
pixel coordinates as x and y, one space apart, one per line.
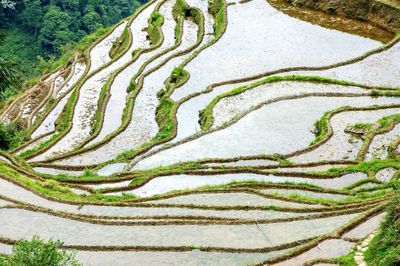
9 76
32 15
38 253
55 31
92 21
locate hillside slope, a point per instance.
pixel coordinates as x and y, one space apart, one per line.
210 133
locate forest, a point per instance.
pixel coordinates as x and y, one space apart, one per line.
35 31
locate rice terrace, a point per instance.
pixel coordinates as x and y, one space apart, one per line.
211 132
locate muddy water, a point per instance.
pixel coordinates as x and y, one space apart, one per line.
86 105
385 66
14 192
143 125
230 199
332 21
99 55
17 224
268 40
230 107
277 131
166 184
349 144
190 258
365 228
331 248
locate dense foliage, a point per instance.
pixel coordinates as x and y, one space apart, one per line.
38 253
384 249
11 135
9 77
33 28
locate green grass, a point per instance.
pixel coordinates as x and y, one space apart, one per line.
98 119
384 249
181 8
164 118
369 166
11 136
217 10
156 20
56 190
37 252
347 260
120 44
21 47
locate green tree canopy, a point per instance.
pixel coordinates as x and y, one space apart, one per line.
55 30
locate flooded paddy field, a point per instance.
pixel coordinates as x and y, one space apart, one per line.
224 133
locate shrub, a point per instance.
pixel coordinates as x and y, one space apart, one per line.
39 253
11 135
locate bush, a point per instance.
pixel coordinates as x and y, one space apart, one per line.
38 253
11 136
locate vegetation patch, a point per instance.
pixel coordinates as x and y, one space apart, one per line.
384 248
121 44
217 9
156 20
39 252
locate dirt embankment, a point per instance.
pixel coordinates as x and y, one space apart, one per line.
384 13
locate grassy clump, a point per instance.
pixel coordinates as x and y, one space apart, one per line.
181 8
120 44
321 127
347 260
164 118
177 78
384 249
38 252
217 9
156 20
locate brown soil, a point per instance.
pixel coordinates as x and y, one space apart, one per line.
382 13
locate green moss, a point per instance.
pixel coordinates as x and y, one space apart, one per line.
181 8
98 119
321 127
